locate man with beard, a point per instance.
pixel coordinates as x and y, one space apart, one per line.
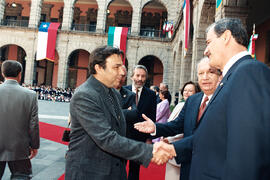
146 104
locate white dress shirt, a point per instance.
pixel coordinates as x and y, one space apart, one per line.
233 60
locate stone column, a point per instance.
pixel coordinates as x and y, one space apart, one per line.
62 76
185 69
136 19
2 9
35 13
101 16
29 68
176 79
67 15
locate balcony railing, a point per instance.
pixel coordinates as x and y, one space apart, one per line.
152 33
14 23
84 27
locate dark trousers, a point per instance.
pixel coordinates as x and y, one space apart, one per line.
134 171
20 169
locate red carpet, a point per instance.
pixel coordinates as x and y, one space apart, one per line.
54 133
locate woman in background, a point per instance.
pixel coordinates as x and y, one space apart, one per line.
163 110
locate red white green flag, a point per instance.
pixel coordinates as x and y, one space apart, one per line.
251 46
117 37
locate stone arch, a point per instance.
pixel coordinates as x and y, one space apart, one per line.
160 54
155 69
46 72
13 52
77 67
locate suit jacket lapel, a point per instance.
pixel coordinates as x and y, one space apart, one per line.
100 88
197 104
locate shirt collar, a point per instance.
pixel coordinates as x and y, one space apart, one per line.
233 60
209 98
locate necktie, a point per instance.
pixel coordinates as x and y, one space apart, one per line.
137 96
202 108
114 104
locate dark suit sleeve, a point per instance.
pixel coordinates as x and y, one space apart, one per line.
34 124
248 124
89 110
182 148
153 106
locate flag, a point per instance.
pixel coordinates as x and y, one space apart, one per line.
218 4
251 46
164 27
47 34
170 30
117 37
186 11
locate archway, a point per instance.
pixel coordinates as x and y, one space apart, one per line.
13 52
45 72
154 14
119 13
78 67
155 70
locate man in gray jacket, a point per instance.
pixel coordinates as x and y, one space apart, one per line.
98 146
19 128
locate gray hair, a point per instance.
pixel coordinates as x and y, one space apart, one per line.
139 66
234 25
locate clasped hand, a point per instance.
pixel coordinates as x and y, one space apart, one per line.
162 152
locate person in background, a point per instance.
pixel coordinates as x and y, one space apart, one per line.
19 124
164 87
172 168
163 110
145 101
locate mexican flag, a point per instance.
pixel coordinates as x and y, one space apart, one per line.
251 45
117 37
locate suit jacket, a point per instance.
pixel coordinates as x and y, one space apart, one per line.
131 115
19 128
147 105
184 123
97 147
232 141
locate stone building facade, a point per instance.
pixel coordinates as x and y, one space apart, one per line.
176 69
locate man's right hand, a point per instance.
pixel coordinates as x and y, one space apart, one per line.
148 126
162 152
33 153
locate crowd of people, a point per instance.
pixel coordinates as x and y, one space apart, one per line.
221 132
52 94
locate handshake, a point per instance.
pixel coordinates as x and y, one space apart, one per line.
162 151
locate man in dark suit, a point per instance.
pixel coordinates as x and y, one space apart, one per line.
146 104
232 142
98 146
188 119
128 104
19 128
